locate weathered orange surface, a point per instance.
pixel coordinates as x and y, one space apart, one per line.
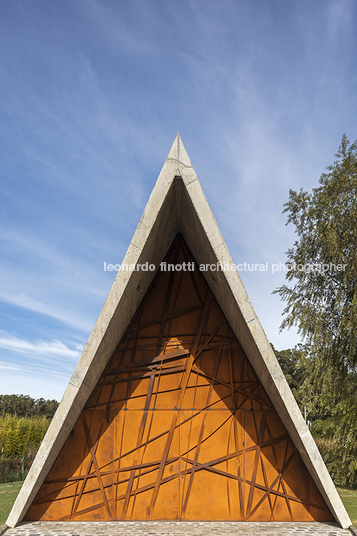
179 426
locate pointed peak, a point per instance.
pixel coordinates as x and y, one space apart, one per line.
178 152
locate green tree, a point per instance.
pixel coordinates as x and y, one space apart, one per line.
322 302
294 365
331 408
20 438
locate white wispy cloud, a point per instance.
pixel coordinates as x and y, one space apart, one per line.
40 349
41 277
53 310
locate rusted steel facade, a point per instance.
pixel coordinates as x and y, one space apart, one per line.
179 426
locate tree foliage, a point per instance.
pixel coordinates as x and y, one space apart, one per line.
20 438
23 424
330 405
25 406
294 365
322 302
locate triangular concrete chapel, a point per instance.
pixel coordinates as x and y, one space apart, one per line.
178 409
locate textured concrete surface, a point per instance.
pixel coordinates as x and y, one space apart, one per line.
175 528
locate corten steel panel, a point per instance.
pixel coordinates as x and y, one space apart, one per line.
179 426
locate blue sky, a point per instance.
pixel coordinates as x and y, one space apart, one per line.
92 94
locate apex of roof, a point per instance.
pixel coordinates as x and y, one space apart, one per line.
178 152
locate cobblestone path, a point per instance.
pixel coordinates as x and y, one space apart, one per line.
175 528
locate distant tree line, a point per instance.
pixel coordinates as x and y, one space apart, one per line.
25 406
23 424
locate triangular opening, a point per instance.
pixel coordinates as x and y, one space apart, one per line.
179 425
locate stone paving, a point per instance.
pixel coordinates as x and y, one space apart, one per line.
174 528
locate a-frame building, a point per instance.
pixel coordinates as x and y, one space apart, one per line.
178 408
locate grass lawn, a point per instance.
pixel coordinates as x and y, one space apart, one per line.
8 495
349 499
